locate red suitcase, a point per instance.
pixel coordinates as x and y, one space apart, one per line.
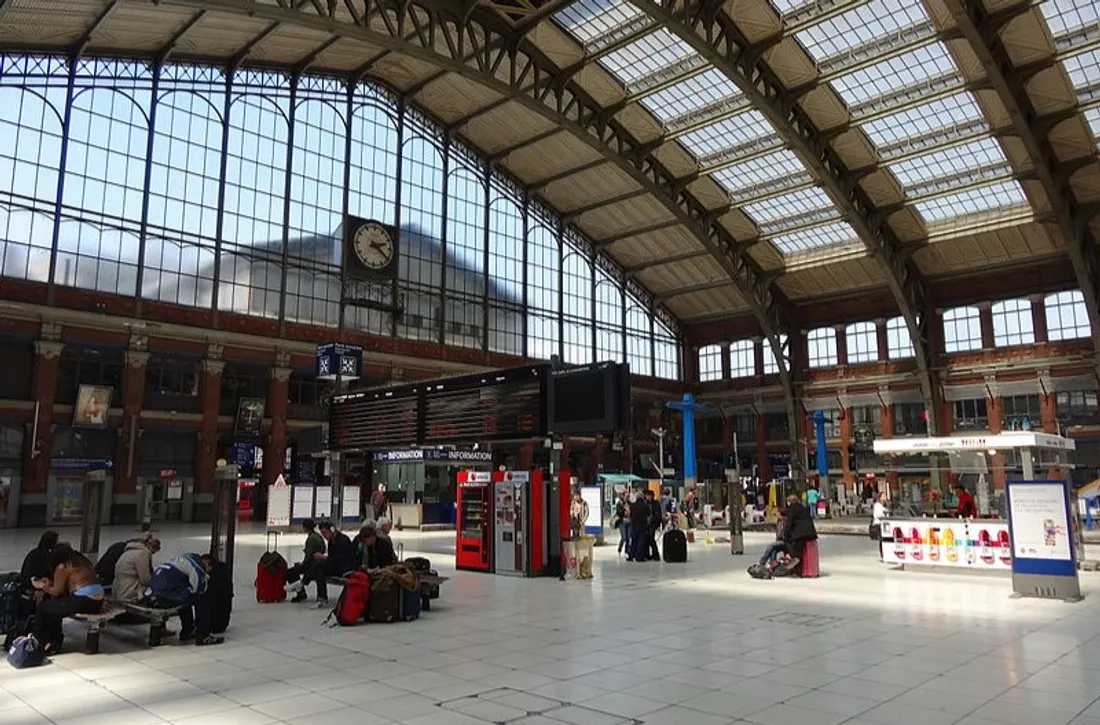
811 561
271 573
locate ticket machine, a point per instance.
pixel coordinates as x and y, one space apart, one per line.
520 523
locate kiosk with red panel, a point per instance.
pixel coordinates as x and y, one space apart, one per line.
474 525
520 523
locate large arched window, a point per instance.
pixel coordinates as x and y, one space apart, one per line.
710 363
1067 316
421 268
862 340
465 258
771 362
821 347
743 359
899 345
577 311
1012 323
962 329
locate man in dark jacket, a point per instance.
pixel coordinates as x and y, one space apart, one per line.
315 546
800 528
339 559
36 565
656 518
639 528
184 582
375 551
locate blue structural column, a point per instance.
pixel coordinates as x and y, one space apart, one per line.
688 407
819 430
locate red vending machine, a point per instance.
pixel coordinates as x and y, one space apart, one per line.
473 527
520 523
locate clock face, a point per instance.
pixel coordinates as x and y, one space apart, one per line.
374 246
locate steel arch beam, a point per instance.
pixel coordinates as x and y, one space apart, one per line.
983 37
474 50
704 26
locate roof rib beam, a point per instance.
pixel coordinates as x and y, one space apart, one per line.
701 287
704 25
973 22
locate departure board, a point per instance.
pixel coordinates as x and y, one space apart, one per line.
497 407
371 421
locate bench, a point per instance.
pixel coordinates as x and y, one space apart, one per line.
96 623
425 581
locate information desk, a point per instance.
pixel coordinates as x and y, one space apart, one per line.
978 544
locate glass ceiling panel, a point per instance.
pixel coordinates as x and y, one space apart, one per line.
807 240
734 131
1063 15
948 162
894 73
1093 117
785 6
868 21
788 205
1084 69
688 95
589 19
920 120
742 177
972 201
646 55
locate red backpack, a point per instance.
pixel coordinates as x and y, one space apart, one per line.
351 607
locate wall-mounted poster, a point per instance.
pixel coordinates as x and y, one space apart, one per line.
250 417
93 403
68 500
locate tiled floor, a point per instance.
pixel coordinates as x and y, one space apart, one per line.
694 644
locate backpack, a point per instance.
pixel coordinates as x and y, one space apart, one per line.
760 571
15 602
351 607
26 652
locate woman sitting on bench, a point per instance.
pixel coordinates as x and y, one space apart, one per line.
73 589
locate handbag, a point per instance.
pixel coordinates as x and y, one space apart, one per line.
26 652
875 531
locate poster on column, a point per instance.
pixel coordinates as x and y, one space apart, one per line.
279 503
1040 529
302 508
322 508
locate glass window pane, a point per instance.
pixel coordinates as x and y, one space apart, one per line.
821 345
818 237
862 339
899 343
1002 195
867 22
895 73
710 363
1012 323
962 329
743 359
689 95
742 128
1067 316
923 119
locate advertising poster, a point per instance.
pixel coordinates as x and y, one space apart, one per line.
279 504
93 402
593 525
175 490
351 503
1039 522
68 500
250 417
953 543
303 502
322 507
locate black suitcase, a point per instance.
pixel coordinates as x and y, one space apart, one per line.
675 545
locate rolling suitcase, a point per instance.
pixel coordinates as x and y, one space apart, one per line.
811 561
384 605
675 546
271 573
410 604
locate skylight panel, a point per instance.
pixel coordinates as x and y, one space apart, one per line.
807 240
742 177
797 203
1084 69
1093 117
587 20
972 201
689 95
894 73
868 21
948 162
785 6
1063 15
646 55
734 131
918 120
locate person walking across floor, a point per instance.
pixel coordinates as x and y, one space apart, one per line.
638 513
620 521
878 515
812 497
378 502
656 521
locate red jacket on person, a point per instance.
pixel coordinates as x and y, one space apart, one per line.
967 508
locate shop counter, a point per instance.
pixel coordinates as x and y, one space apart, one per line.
978 544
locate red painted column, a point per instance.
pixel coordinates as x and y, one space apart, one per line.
129 430
1048 405
47 368
985 318
845 443
206 455
1039 317
841 333
994 408
888 420
761 349
525 459
883 337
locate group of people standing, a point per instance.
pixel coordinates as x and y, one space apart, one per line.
638 517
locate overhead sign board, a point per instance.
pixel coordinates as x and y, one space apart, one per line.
338 360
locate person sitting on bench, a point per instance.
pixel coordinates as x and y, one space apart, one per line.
134 569
183 582
337 561
73 589
315 546
107 563
36 565
374 548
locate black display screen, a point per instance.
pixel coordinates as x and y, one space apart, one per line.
506 405
580 397
373 421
